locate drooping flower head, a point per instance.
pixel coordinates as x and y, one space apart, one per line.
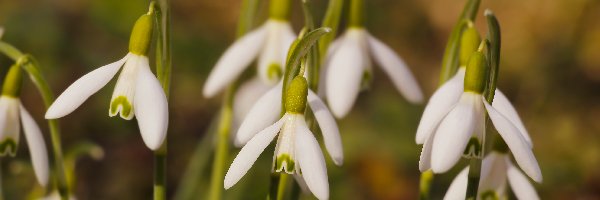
297 151
348 66
12 115
270 43
496 171
454 125
137 92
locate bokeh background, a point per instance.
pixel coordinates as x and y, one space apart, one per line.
550 69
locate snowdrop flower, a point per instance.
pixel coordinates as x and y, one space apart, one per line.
297 151
270 43
453 123
12 113
496 170
137 93
348 67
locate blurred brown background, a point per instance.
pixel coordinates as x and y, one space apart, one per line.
550 69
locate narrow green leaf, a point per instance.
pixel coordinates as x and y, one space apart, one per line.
494 52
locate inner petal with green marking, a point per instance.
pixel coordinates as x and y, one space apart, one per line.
489 195
274 72
8 147
284 162
121 105
474 148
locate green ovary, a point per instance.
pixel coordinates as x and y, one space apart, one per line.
121 105
8 146
284 162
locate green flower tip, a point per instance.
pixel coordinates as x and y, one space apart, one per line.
476 76
141 35
8 147
295 101
489 195
274 71
121 105
13 81
284 162
469 43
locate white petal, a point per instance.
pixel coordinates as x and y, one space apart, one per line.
329 128
396 69
301 183
274 51
502 105
440 103
312 163
288 38
520 185
324 67
233 62
515 141
458 187
425 158
265 112
344 77
493 174
82 89
37 147
454 132
151 108
245 97
9 125
250 152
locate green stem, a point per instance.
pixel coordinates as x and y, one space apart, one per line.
331 20
473 178
283 180
222 151
280 9
450 59
425 184
357 18
163 73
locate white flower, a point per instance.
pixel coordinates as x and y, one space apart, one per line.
272 41
267 110
245 97
496 170
137 93
348 65
11 112
452 125
297 151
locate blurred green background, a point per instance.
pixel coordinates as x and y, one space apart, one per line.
550 70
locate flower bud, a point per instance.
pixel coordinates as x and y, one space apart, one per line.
13 81
476 76
469 42
141 35
295 99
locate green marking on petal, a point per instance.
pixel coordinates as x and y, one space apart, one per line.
284 162
274 71
473 149
8 146
489 195
366 80
123 106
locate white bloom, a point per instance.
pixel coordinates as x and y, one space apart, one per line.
11 112
245 97
452 125
137 93
297 151
272 41
349 64
496 170
267 110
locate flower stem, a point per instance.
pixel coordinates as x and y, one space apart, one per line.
425 184
163 73
357 18
283 180
222 151
473 178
